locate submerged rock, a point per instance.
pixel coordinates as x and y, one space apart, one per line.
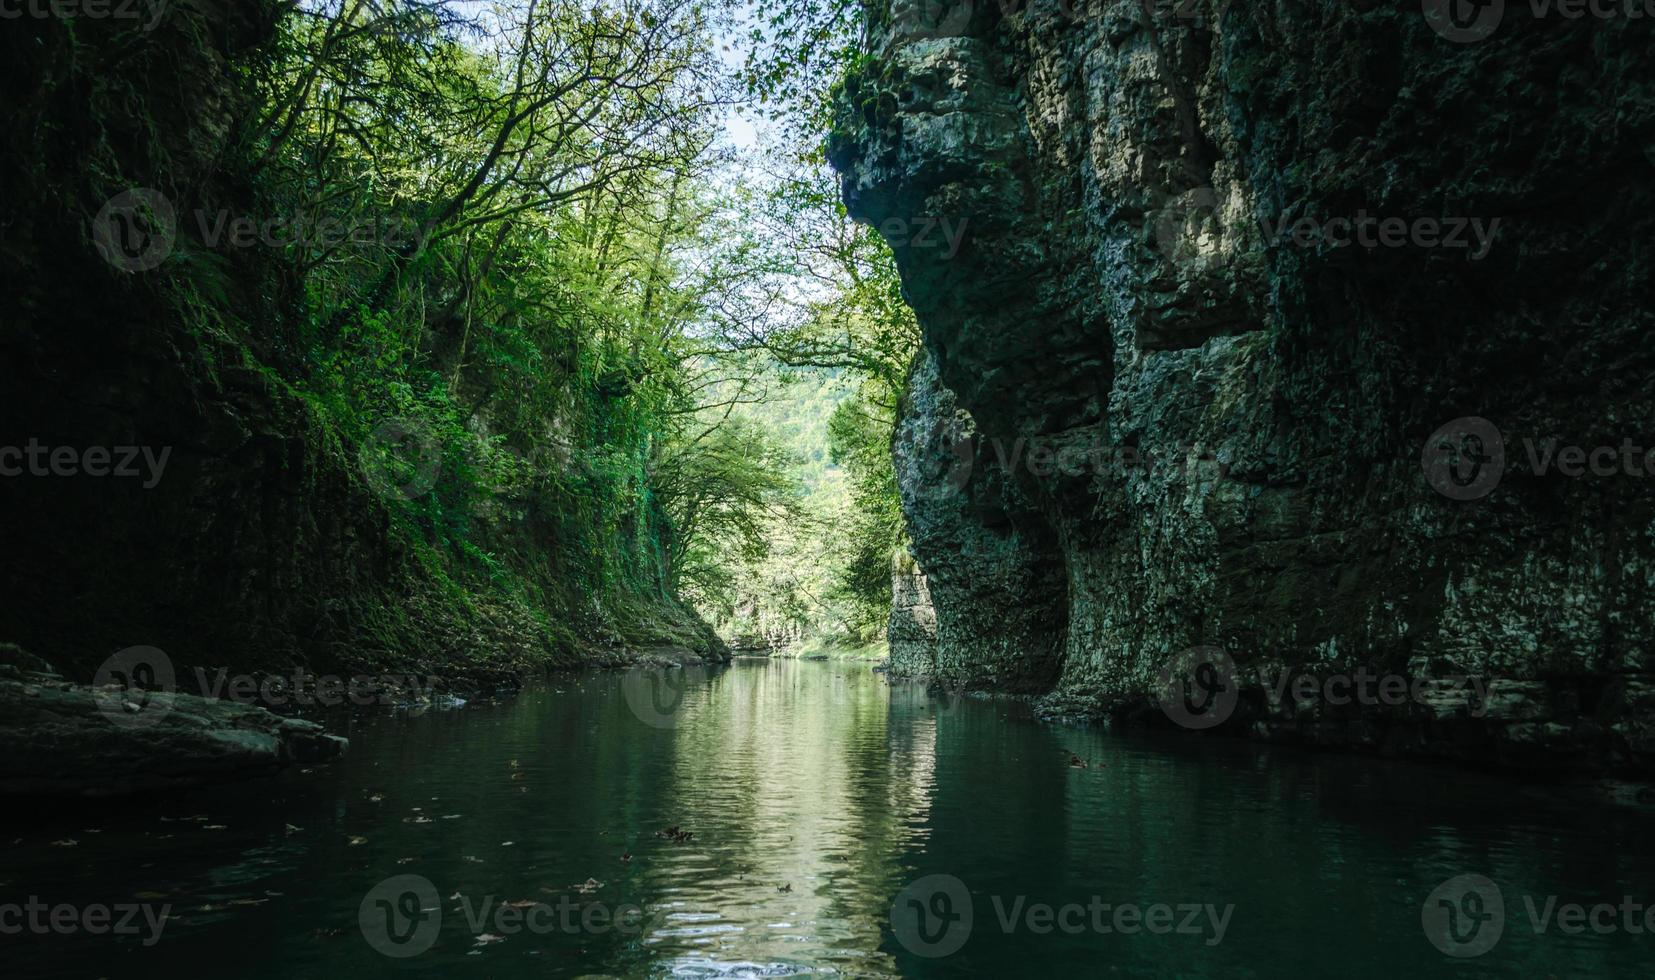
63 739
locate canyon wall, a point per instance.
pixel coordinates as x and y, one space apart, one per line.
1314 333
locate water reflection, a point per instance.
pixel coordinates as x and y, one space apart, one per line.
765 817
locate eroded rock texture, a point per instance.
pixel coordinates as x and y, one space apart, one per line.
1213 426
987 609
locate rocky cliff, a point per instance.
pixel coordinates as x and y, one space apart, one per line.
1311 337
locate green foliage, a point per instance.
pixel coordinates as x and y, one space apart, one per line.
798 53
488 225
724 488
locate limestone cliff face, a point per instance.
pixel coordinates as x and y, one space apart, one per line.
1228 269
987 610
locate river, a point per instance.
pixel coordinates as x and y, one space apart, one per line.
840 825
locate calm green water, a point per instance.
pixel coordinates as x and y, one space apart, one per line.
817 794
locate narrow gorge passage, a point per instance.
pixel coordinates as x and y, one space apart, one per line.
722 488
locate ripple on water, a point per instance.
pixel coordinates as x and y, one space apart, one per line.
815 793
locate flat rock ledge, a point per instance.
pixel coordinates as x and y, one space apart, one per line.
63 739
